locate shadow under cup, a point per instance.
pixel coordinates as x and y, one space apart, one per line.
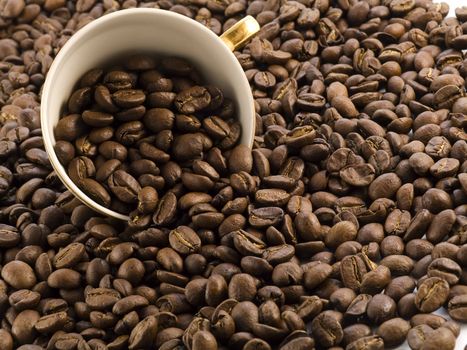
140 31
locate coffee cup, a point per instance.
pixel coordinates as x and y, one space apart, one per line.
155 32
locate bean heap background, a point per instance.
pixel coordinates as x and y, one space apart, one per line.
354 195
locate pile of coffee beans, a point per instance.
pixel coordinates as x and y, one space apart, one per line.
137 131
344 228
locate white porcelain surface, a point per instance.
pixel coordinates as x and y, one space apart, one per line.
133 31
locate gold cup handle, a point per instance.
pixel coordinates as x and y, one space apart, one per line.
240 33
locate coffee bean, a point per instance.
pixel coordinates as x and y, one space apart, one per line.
431 294
184 240
69 128
102 298
271 197
22 327
398 264
204 340
440 338
369 342
394 331
417 335
131 270
69 256
406 306
456 308
128 304
376 280
165 209
51 322
79 100
352 270
433 320
128 98
381 308
64 278
124 186
6 340
341 232
144 333
216 127
384 186
399 287
193 100
24 299
19 275
287 273
327 329
446 269
96 191
358 175
316 274
263 217
247 244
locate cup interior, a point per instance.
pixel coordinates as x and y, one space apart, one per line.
140 31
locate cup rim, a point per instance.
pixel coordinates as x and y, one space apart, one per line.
55 69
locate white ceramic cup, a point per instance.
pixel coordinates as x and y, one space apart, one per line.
145 31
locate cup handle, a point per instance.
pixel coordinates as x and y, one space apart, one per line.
240 33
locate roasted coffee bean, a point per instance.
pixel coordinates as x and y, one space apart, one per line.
316 274
432 293
144 333
381 308
69 256
19 275
64 278
368 342
327 329
434 321
97 119
384 186
184 240
341 232
204 340
193 100
70 128
446 269
352 270
440 338
457 308
417 335
101 298
128 98
123 186
24 299
96 191
399 287
393 332
22 327
376 280
342 298
406 306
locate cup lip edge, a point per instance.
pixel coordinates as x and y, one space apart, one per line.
53 71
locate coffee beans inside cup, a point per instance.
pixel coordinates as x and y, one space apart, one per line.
135 134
